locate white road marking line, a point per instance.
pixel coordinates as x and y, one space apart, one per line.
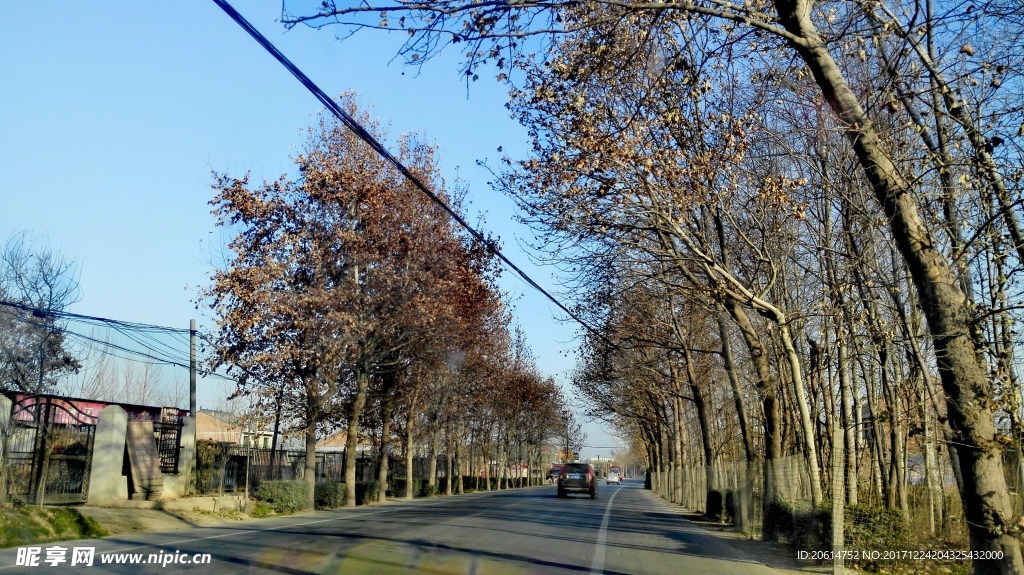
597 567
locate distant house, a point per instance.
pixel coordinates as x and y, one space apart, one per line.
337 441
223 427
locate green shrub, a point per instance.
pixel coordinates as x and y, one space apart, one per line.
731 505
428 490
284 496
812 529
329 495
778 521
367 492
417 487
875 528
715 506
398 488
210 459
806 530
864 528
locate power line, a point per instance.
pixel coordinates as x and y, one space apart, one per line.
138 333
349 122
40 312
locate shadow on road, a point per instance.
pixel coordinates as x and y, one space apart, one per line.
461 535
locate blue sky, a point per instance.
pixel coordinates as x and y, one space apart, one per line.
113 115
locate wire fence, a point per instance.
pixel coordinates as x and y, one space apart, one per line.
864 508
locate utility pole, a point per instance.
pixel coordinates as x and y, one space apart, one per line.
277 427
43 336
192 368
190 454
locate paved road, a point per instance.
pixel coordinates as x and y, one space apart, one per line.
625 531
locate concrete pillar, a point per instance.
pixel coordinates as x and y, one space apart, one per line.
5 421
144 461
5 440
106 484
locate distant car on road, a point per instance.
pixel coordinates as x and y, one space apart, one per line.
577 478
553 473
613 477
617 471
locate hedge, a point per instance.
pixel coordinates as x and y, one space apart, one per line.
715 506
367 492
329 495
283 496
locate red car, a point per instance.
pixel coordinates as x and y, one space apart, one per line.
553 473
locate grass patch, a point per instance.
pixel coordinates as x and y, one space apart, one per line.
260 509
41 524
232 514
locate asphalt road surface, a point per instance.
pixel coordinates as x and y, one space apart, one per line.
625 531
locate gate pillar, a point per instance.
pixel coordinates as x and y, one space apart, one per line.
107 484
5 421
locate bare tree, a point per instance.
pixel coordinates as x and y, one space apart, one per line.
36 284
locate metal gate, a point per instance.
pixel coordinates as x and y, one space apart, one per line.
50 451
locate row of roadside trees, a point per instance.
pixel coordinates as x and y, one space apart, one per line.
350 301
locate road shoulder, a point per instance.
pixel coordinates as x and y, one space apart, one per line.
774 555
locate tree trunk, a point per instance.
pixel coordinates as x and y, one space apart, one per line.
352 440
850 429
310 471
931 466
408 446
877 457
678 441
734 382
898 484
703 422
385 444
432 464
810 449
449 464
765 385
458 463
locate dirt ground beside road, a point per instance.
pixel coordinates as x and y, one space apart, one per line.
119 521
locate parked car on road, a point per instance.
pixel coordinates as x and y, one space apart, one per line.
577 478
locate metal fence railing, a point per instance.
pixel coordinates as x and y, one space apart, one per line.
168 441
228 468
